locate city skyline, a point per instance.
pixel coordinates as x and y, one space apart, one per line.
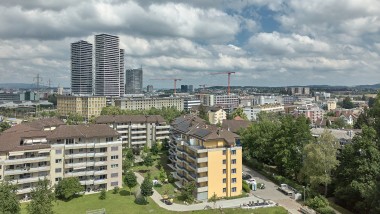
267 43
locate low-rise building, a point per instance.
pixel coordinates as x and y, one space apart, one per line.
137 130
87 106
48 149
189 103
148 103
207 155
216 115
312 112
252 111
331 104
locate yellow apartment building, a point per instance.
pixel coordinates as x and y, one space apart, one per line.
207 155
87 106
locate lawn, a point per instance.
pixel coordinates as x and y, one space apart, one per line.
124 203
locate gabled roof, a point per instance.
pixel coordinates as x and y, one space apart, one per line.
235 125
82 131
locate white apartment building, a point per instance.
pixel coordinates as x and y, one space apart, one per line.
48 149
190 103
252 111
312 112
225 101
137 130
144 103
216 115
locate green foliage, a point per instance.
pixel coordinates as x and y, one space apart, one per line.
213 199
67 188
4 126
364 119
9 200
42 199
330 114
75 119
347 103
203 112
320 160
148 160
246 187
116 190
154 149
171 179
371 102
325 210
317 202
128 154
103 194
53 99
162 175
339 123
146 187
188 191
127 165
239 112
146 149
130 180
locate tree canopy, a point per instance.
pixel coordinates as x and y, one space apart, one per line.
42 199
147 187
9 200
67 188
4 126
347 103
239 112
130 180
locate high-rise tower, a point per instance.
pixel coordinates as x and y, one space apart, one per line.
134 81
81 68
109 66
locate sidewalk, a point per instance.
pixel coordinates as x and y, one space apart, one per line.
180 207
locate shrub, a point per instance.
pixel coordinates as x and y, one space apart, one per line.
325 210
317 202
246 187
116 190
103 194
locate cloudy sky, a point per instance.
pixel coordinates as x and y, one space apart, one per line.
266 42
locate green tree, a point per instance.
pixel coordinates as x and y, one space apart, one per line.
146 187
74 119
371 102
163 177
128 154
9 200
356 175
320 160
42 199
213 199
363 119
187 193
111 110
148 160
130 180
203 112
53 99
103 194
239 112
127 165
67 188
347 103
4 126
154 149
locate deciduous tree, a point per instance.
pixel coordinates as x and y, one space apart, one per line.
42 199
9 203
146 187
130 180
67 188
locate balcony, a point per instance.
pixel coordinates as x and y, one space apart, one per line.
100 172
27 160
139 142
80 155
162 132
202 179
25 190
86 182
28 180
202 169
163 127
77 165
202 189
101 163
138 137
100 154
138 126
26 170
162 137
202 160
79 145
122 126
100 181
138 132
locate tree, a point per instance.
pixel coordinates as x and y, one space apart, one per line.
239 112
53 99
67 188
203 112
42 198
146 187
9 200
4 126
127 164
363 119
130 180
358 170
347 103
148 160
103 194
154 149
320 160
187 192
111 110
371 102
75 119
213 199
163 177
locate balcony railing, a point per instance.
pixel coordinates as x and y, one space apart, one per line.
27 160
202 179
26 170
100 181
202 189
202 160
202 169
87 182
28 180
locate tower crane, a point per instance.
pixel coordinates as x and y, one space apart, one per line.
174 80
229 78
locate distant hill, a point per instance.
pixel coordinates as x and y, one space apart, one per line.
375 86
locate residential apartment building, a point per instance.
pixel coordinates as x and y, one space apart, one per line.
187 88
148 103
134 81
87 106
189 103
227 102
252 111
109 66
137 130
81 68
312 112
331 104
207 155
48 149
216 115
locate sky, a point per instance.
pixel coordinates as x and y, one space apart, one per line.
266 42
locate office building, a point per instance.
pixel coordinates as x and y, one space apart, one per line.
134 81
137 130
148 103
189 103
87 106
252 111
149 88
109 66
81 68
227 102
207 155
312 112
48 149
298 90
187 89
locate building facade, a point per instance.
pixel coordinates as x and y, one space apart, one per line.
252 111
187 88
227 102
109 66
189 103
216 115
134 81
137 130
148 103
149 88
207 155
81 68
48 149
87 106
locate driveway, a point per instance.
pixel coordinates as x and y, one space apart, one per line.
271 193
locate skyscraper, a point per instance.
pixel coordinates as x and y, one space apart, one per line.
81 68
109 66
133 81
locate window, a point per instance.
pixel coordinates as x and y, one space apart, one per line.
80 150
224 180
58 179
114 175
233 152
58 170
69 141
58 160
103 159
233 161
113 166
224 171
224 161
114 157
103 149
58 151
115 183
233 171
224 190
224 152
109 139
114 148
71 151
233 189
233 180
